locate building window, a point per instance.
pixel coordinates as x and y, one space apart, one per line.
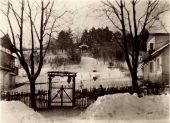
151 46
158 64
12 62
151 67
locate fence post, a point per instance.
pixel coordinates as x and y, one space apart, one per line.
61 95
74 91
49 93
8 96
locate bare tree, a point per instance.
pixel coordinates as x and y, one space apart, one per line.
127 18
41 29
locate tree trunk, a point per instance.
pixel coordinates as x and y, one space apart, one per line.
32 97
135 86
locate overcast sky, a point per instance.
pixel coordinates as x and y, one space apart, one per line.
83 17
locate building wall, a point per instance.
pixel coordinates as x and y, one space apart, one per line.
7 76
6 60
152 40
154 75
158 40
7 80
161 40
161 74
165 65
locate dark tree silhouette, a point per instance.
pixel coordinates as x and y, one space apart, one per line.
41 34
132 25
101 44
64 40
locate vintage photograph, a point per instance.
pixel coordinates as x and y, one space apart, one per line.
84 61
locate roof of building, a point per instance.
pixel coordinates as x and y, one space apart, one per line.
6 42
160 30
155 53
83 45
160 49
159 33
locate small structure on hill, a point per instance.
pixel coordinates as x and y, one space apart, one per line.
84 48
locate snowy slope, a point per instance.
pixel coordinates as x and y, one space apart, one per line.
85 73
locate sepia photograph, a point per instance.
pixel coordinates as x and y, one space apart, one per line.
84 61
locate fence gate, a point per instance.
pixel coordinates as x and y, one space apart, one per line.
59 94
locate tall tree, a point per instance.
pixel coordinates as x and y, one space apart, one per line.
41 29
100 43
127 19
64 40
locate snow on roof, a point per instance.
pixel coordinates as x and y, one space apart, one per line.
160 30
83 45
6 42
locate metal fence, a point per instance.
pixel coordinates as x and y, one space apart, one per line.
41 97
83 97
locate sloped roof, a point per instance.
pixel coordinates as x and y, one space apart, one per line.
83 45
155 53
6 42
160 49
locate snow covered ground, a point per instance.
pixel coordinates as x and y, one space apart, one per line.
17 112
117 108
85 74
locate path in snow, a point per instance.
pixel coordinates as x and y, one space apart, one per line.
58 113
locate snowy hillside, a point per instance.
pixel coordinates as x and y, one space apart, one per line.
88 69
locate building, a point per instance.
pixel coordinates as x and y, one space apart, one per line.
156 59
8 71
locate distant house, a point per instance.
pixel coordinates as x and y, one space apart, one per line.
156 59
8 71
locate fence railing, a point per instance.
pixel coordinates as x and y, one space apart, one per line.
41 97
83 97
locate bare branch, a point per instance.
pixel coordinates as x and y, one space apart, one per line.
108 16
47 15
16 16
32 39
49 37
129 21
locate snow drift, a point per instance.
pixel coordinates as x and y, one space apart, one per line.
128 107
117 108
18 112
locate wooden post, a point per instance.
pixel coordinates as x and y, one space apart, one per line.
61 95
74 99
49 92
